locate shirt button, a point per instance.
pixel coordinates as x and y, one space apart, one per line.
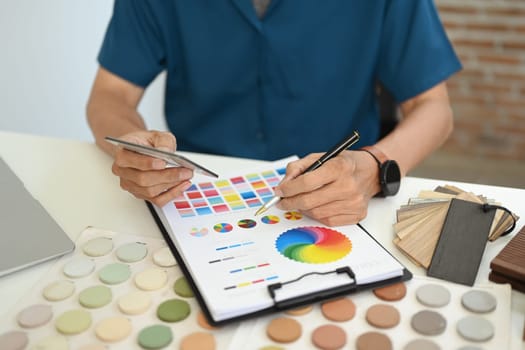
259 135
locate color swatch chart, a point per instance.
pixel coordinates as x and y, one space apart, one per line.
227 195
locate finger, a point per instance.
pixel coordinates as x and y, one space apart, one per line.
152 192
164 140
309 182
129 159
167 196
145 178
296 168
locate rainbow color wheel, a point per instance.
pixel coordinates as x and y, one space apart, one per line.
246 223
223 227
293 215
270 219
313 245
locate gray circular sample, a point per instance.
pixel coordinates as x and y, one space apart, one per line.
475 328
470 347
419 344
98 246
433 295
13 340
114 273
34 316
479 301
132 252
428 322
78 267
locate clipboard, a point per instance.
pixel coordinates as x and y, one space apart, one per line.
299 283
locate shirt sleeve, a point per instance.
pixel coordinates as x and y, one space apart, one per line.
133 48
415 52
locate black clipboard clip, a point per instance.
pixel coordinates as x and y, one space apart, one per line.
311 297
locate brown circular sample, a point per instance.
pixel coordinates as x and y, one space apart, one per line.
300 310
428 322
373 341
339 310
284 330
329 337
382 316
198 340
392 292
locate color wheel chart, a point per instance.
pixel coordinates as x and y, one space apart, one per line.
314 245
227 195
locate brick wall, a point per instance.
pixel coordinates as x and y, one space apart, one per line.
488 96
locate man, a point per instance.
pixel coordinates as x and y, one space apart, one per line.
279 78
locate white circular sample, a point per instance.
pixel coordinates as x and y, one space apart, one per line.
164 258
98 246
151 279
433 295
475 328
134 303
132 252
77 267
59 290
479 301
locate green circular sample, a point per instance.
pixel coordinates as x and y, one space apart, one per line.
155 337
73 322
132 252
182 288
114 273
95 297
173 310
98 246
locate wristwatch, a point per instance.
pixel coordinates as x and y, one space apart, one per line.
389 173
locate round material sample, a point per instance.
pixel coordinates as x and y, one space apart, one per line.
329 337
393 292
428 322
433 295
93 347
34 316
173 310
182 288
134 303
78 267
13 340
198 340
98 246
114 273
246 223
203 322
164 258
284 330
303 310
73 322
475 328
373 341
338 310
151 279
132 252
420 344
479 301
383 316
95 297
270 219
59 290
155 337
53 342
113 329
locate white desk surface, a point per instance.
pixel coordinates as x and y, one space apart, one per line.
73 181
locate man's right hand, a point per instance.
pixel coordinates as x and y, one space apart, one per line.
146 177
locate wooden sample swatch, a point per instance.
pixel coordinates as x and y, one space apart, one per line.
461 243
509 265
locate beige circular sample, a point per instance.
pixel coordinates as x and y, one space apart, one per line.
373 341
338 310
393 292
53 342
13 340
73 322
34 316
59 290
475 328
93 347
300 310
134 303
422 344
329 337
383 316
98 246
164 258
151 279
113 329
203 322
433 295
198 341
428 322
284 330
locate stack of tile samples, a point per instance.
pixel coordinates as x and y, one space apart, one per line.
509 265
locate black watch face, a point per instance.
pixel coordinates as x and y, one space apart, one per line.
390 178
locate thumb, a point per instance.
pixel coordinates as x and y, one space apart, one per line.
164 141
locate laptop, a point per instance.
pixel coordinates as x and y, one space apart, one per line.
28 234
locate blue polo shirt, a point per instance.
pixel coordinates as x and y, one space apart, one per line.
295 82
